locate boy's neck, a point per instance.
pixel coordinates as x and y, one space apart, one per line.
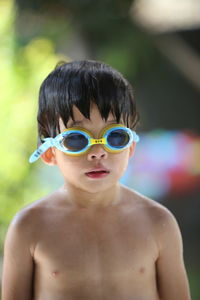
84 199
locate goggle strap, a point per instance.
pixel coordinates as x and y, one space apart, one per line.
49 142
135 137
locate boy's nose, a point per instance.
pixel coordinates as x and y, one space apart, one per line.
97 152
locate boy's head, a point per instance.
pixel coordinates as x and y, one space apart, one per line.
81 83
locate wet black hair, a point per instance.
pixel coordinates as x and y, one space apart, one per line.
79 83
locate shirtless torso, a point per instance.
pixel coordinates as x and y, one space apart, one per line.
99 254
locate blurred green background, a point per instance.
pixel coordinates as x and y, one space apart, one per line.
160 57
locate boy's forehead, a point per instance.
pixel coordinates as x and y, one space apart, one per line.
93 112
77 114
79 117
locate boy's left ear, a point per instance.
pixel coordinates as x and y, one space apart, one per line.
132 149
48 157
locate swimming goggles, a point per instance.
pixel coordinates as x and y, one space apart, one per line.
77 141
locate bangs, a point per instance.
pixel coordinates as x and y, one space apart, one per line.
80 84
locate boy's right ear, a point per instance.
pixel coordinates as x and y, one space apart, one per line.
49 157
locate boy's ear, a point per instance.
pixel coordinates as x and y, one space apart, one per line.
48 157
132 149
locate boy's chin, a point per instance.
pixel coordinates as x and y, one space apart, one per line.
96 186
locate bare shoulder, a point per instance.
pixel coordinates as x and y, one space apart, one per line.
158 216
31 212
30 218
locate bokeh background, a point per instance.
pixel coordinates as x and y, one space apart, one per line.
156 45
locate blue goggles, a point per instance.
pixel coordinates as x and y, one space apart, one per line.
77 141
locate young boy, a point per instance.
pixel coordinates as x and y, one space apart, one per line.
93 238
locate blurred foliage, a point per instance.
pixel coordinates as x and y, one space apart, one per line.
22 71
106 27
193 276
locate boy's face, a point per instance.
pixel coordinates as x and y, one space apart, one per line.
75 168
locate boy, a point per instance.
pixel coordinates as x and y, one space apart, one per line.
93 238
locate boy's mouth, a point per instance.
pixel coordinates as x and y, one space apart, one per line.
97 173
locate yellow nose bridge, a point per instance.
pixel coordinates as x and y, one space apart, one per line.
98 141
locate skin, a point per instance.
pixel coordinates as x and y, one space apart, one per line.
93 238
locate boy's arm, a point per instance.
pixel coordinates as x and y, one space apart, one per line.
18 261
171 274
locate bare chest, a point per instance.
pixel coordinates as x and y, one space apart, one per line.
95 251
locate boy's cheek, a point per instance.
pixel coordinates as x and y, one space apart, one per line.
54 156
66 162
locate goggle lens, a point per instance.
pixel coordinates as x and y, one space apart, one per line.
118 138
75 142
